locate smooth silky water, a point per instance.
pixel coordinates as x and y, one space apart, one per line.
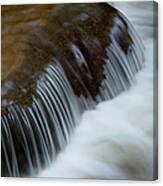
105 142
116 139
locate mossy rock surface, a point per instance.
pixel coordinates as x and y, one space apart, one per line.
76 35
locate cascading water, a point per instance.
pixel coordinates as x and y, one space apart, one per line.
87 53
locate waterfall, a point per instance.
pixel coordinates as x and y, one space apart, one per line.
33 135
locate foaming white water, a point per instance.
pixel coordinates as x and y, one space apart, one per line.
115 141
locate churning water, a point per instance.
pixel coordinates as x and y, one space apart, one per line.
114 140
